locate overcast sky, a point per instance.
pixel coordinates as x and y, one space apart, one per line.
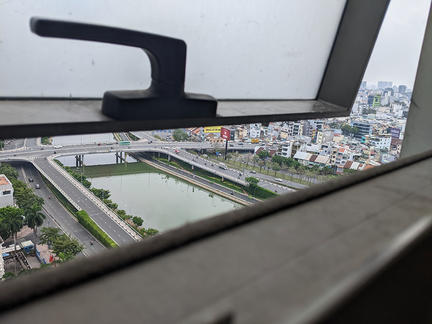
397 50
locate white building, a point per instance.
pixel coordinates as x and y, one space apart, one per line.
382 142
286 149
6 199
6 192
255 130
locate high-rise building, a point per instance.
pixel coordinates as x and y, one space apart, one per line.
374 101
385 84
402 88
364 129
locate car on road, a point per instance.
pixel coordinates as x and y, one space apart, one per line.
241 143
58 146
222 166
30 179
278 179
37 186
253 171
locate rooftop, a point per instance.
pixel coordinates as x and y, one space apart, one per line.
4 180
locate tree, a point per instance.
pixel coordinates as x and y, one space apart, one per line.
180 135
62 245
261 164
263 154
11 222
278 159
253 184
66 248
252 180
8 171
349 130
49 235
101 193
255 160
275 167
138 221
151 231
34 217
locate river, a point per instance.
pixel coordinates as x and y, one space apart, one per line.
162 201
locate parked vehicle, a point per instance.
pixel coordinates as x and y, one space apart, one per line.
278 179
30 179
37 186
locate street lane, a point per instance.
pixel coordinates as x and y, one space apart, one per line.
118 234
58 216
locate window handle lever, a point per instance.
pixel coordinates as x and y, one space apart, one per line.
165 98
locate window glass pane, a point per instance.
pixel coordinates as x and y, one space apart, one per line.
236 49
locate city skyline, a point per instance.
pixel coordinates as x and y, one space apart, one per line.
397 49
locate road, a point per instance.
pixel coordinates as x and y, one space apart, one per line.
176 149
145 135
57 215
205 182
117 233
265 180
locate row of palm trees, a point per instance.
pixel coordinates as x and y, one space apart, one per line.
12 220
28 212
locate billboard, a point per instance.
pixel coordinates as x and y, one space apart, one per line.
225 133
212 129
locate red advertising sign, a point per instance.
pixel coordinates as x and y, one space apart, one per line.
225 133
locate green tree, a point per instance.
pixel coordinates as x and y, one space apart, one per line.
275 167
66 248
34 217
263 154
253 184
278 159
261 164
151 231
101 193
49 235
179 135
138 221
8 171
252 180
11 222
62 245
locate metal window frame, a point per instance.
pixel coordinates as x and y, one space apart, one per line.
352 47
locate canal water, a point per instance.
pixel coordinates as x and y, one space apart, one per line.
162 201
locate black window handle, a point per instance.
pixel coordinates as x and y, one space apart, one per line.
165 98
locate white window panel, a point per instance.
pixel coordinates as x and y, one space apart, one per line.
243 49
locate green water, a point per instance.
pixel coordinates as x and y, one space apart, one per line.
162 201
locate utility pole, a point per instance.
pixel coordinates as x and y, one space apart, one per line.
226 149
